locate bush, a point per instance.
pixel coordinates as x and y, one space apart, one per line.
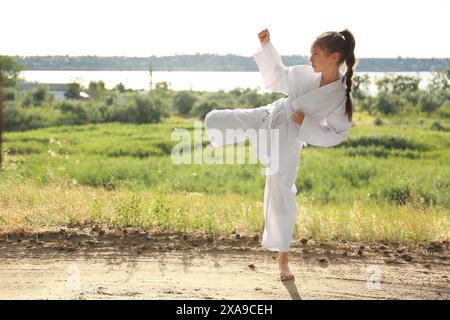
148 110
14 115
250 99
40 94
429 102
399 195
368 104
77 112
203 108
9 94
386 104
18 118
444 110
183 102
385 142
409 193
40 118
438 126
377 121
138 109
36 97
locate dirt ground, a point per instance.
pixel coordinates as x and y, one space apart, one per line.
93 263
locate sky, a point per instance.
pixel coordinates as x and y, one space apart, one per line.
382 28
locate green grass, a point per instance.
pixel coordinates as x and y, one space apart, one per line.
30 208
396 174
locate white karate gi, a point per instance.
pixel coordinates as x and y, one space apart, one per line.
325 124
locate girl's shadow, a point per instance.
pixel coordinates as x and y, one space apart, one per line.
292 289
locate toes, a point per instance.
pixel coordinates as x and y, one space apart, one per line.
286 276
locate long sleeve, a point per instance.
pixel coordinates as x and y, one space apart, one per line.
329 132
276 76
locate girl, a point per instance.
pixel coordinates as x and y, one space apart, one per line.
317 111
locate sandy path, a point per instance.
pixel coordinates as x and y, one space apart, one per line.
77 265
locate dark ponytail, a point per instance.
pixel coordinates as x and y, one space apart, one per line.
350 62
344 43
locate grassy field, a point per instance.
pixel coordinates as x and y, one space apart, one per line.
388 182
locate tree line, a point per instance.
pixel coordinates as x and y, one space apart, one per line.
211 62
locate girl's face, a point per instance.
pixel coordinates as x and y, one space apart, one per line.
321 61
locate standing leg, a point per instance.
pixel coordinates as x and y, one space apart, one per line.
279 194
279 201
283 265
280 208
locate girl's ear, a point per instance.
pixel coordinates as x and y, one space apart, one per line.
335 56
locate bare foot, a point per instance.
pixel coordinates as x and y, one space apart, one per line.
285 272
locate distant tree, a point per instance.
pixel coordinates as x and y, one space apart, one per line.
150 71
360 86
164 85
97 90
40 94
73 91
398 84
10 69
162 91
439 81
120 87
437 95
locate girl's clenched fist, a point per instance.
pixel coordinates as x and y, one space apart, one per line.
264 36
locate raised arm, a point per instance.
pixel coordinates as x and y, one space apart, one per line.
273 71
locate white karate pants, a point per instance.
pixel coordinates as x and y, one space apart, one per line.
280 209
